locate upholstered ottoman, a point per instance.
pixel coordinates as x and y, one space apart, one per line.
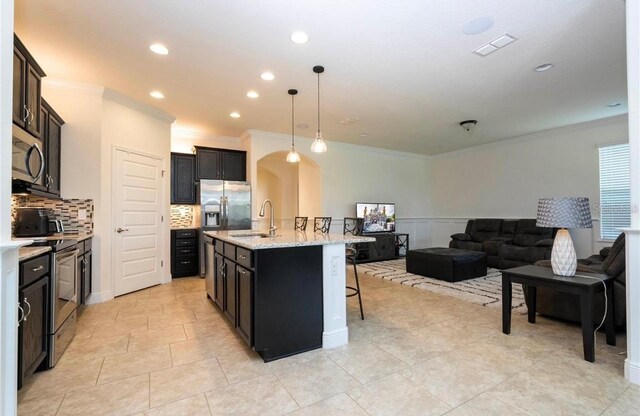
450 264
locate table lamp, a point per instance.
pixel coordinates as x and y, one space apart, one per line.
563 213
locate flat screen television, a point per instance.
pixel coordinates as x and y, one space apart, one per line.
378 217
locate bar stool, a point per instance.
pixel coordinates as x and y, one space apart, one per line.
353 226
321 224
300 224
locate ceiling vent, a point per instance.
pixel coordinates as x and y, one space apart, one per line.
348 120
498 43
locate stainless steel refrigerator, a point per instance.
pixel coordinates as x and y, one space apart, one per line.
224 205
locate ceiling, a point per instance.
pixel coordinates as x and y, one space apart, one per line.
404 69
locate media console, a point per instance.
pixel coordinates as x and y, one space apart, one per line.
388 246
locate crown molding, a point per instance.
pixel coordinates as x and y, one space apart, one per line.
127 101
538 135
340 145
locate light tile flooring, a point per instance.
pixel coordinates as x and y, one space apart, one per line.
167 351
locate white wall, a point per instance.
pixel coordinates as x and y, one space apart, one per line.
182 141
505 180
97 119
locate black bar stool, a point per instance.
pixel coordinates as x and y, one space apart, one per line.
353 226
301 224
321 224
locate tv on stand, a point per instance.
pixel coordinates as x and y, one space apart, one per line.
378 217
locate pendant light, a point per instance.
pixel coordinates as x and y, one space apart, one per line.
293 156
318 145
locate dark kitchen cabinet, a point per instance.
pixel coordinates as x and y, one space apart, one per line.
244 283
230 290
183 178
184 253
52 135
234 166
221 164
218 280
33 314
85 269
27 85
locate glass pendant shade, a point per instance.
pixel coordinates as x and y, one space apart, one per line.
293 156
318 145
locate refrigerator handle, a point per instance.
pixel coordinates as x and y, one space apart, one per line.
226 211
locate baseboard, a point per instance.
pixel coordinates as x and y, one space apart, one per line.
336 338
99 297
632 371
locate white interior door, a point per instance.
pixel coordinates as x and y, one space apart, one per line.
138 233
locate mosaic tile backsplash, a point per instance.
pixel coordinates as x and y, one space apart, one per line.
64 209
181 216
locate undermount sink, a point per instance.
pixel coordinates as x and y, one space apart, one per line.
253 235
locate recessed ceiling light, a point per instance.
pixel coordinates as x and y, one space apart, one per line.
159 48
267 76
302 126
543 67
235 114
299 37
156 94
478 26
613 105
253 94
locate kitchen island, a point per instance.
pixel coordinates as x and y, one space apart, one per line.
284 294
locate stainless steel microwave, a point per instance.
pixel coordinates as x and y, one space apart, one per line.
27 157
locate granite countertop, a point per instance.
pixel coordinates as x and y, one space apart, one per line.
26 253
284 239
79 236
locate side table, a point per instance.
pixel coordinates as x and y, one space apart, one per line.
585 285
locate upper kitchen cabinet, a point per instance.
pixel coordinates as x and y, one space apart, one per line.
52 135
183 178
27 83
228 165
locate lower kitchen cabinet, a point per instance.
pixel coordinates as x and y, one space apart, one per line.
262 294
85 267
184 253
33 314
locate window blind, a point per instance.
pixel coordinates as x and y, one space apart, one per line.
615 190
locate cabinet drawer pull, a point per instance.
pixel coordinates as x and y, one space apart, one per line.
242 271
26 113
185 262
242 256
29 305
21 314
37 269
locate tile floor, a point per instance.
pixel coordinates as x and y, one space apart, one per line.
167 351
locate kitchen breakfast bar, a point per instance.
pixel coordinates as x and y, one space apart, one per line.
284 294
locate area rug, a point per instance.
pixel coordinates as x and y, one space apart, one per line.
485 291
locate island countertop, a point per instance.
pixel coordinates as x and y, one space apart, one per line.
256 240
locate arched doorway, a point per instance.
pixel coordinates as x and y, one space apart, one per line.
294 188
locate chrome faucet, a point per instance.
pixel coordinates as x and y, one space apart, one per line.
272 225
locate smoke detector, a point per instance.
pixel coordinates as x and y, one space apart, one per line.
468 125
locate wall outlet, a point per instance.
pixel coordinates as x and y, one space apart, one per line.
334 266
82 214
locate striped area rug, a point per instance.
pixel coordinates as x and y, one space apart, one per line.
485 291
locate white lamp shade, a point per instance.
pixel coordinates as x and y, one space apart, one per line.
293 156
318 145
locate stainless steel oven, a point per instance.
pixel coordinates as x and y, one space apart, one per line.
27 158
64 301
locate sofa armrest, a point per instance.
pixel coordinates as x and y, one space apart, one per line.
544 243
461 237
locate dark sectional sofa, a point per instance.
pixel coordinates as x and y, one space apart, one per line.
508 243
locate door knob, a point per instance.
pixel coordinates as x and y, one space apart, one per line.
120 230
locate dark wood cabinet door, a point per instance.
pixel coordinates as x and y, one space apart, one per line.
19 72
53 143
230 290
32 333
32 100
183 181
207 163
234 166
86 275
218 285
245 300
